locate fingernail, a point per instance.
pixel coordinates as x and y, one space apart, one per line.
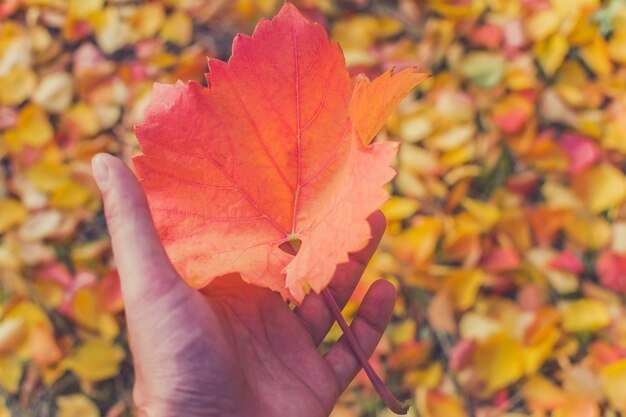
100 171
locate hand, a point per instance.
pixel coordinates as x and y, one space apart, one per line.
232 349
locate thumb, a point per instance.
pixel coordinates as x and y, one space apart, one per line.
146 272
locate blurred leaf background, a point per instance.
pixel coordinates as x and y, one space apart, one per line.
507 225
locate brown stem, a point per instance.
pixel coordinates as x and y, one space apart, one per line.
387 396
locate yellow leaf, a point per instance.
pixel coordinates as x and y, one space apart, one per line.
108 327
177 29
32 129
419 242
601 187
614 384
402 332
85 308
486 214
462 238
12 213
583 30
88 312
81 9
499 361
537 354
50 293
147 20
459 156
589 232
361 30
543 24
47 176
452 10
572 94
551 53
520 78
4 410
11 370
82 120
76 405
596 56
430 377
463 286
16 85
69 195
94 361
585 315
541 394
617 47
615 136
31 314
39 344
399 208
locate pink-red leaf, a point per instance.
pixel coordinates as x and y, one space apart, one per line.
267 155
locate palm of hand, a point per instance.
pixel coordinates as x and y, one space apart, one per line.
240 350
233 349
263 362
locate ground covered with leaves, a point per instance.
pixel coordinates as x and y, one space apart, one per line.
507 228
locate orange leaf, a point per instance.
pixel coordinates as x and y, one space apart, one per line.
266 156
386 91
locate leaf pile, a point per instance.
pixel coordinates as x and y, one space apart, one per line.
507 229
506 232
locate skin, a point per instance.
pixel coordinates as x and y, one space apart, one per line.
232 348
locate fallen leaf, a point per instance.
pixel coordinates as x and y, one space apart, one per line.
32 129
76 405
177 29
55 92
12 213
432 403
94 361
613 379
567 261
485 69
499 361
11 371
463 286
611 269
16 85
585 315
601 187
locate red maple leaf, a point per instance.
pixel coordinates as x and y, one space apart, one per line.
277 150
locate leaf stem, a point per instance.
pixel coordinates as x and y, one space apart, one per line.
387 396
